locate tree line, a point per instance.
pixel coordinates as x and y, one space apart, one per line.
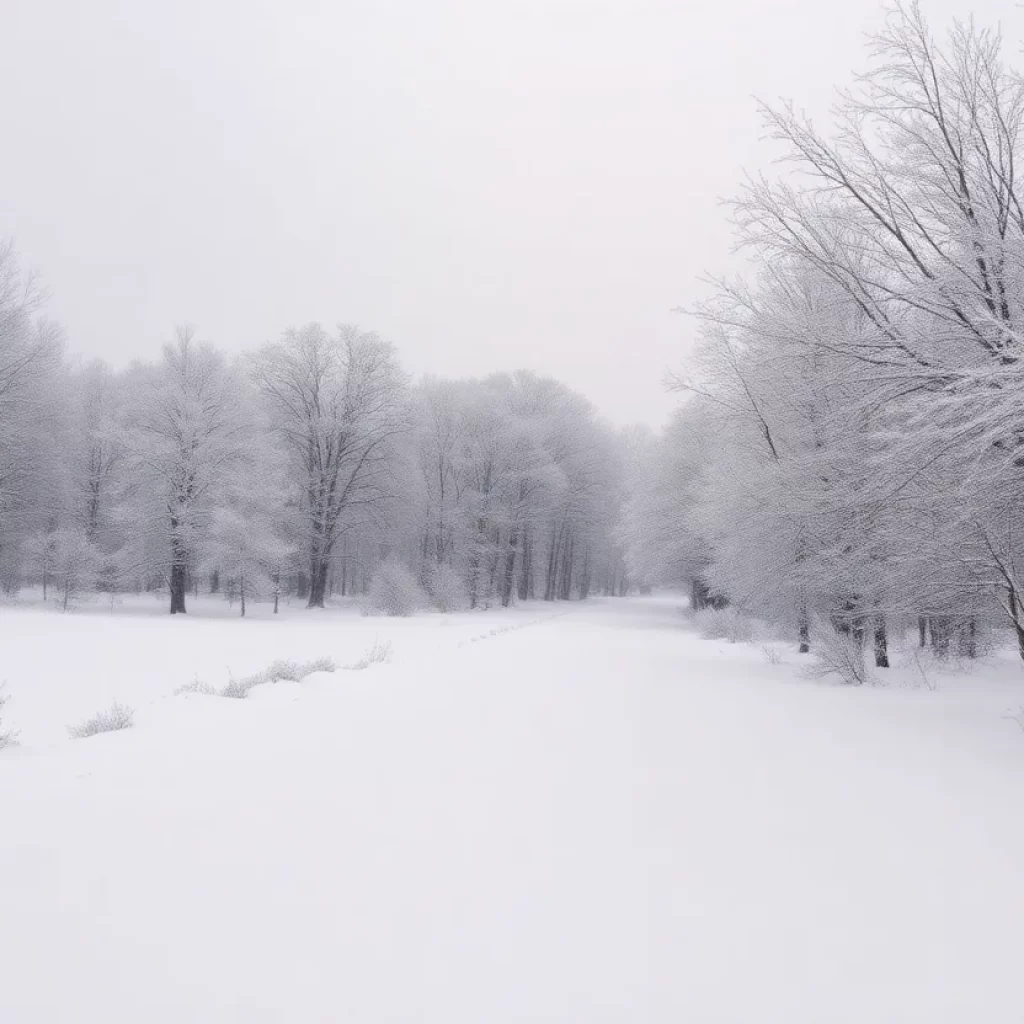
850 454
297 470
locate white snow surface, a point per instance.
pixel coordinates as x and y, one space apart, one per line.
571 814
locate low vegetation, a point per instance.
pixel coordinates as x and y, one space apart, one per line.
117 716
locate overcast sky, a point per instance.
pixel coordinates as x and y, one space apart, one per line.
489 183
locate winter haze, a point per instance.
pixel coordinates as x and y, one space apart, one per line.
406 616
488 184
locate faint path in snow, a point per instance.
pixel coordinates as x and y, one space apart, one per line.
498 631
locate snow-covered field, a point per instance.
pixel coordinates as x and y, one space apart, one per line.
575 814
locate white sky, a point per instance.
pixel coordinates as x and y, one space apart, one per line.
488 183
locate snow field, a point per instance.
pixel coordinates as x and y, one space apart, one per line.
600 817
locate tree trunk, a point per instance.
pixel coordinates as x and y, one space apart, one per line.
939 628
243 597
565 589
549 581
178 588
509 575
1014 614
526 568
922 631
179 565
317 583
804 631
881 643
967 639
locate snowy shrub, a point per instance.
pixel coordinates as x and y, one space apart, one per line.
724 624
196 686
771 654
836 654
291 671
282 670
238 689
446 589
394 591
7 736
378 654
325 664
117 716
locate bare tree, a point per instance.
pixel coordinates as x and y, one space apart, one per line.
339 403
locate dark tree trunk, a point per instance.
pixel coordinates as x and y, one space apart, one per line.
178 589
803 627
939 627
585 575
509 577
1015 615
214 582
881 643
317 583
967 639
526 569
567 566
549 582
922 631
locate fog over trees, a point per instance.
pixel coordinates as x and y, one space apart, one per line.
298 469
846 457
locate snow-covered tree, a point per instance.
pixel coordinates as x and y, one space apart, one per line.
30 413
338 405
187 432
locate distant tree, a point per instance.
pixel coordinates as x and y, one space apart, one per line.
30 438
248 555
188 430
76 564
38 551
338 404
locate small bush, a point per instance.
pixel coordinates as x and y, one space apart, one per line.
196 686
378 654
771 654
725 624
837 654
117 716
307 668
394 591
238 689
287 670
447 589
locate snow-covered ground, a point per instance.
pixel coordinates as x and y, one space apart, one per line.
569 814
